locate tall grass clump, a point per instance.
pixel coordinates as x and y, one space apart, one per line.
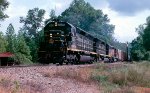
101 76
120 77
133 75
129 76
80 74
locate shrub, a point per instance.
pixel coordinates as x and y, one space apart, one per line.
22 59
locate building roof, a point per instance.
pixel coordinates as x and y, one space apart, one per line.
6 54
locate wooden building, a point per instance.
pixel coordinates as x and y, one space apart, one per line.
5 59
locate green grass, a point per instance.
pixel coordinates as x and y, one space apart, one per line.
112 78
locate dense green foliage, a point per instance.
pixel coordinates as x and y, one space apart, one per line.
3 5
11 42
11 38
140 46
32 22
146 35
3 43
22 54
32 25
17 45
83 15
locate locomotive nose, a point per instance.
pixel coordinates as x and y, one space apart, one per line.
56 40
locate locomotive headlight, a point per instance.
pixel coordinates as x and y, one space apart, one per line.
55 23
51 35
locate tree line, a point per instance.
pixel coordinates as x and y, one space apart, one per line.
140 49
25 43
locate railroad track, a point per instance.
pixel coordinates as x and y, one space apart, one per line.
33 65
38 65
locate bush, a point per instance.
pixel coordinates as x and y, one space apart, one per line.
22 59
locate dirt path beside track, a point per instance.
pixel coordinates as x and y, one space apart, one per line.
36 80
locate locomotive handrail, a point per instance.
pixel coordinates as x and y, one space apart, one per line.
94 53
74 49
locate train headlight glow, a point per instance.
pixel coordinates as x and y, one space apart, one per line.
51 35
55 23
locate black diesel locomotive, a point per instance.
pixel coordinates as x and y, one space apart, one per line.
64 43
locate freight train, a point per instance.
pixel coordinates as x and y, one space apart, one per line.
65 43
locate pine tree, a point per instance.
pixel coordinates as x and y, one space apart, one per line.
83 15
3 43
3 5
10 37
33 23
22 52
52 16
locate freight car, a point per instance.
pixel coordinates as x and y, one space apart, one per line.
65 43
117 54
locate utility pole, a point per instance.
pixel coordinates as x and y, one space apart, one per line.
55 9
127 51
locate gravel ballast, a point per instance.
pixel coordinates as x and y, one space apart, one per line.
33 80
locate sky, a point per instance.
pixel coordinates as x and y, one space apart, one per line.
126 15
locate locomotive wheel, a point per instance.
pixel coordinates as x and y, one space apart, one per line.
61 60
90 62
53 61
66 62
76 61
